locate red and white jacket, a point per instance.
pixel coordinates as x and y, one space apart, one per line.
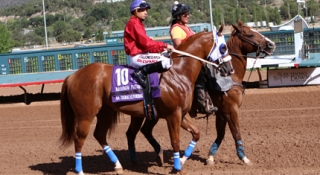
136 40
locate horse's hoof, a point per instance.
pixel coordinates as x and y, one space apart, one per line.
247 161
181 172
118 170
210 160
159 158
81 173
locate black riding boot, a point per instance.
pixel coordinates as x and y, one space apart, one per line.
141 73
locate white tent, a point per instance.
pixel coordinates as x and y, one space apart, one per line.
290 24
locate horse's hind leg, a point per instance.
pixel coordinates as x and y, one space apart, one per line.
147 132
82 130
188 125
133 129
220 128
106 118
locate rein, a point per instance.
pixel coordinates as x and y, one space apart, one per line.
258 52
195 57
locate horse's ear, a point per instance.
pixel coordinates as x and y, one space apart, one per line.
236 28
240 23
221 28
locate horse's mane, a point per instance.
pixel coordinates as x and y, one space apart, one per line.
191 39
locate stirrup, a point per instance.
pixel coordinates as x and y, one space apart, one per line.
140 78
210 108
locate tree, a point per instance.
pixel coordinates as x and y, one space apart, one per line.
69 36
87 34
59 27
99 35
33 39
6 42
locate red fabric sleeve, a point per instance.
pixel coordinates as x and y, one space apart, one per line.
145 43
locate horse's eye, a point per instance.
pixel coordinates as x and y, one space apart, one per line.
249 35
223 49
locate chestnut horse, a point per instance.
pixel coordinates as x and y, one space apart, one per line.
242 41
86 94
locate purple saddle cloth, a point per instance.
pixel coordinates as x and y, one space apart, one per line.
124 88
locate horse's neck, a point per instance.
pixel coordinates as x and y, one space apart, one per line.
184 69
239 64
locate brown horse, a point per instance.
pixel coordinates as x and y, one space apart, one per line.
86 94
242 41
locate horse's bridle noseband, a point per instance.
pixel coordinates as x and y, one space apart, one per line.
258 45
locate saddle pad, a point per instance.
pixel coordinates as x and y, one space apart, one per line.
124 88
216 81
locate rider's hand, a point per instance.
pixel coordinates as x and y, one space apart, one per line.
170 47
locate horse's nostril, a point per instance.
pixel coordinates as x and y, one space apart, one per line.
270 45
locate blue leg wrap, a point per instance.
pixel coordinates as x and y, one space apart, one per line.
132 154
154 144
78 168
214 147
176 161
111 154
240 149
190 148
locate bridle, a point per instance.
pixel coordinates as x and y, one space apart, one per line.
258 45
258 52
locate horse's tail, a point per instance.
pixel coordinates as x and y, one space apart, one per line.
68 120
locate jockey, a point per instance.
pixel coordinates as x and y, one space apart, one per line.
144 52
179 32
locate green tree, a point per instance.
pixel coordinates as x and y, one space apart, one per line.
77 25
6 42
99 35
59 27
87 34
69 36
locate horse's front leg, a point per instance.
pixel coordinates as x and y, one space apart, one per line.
188 125
221 123
233 122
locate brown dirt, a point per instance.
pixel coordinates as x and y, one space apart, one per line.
280 130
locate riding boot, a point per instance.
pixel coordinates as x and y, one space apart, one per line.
141 73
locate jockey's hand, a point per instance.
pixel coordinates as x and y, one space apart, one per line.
169 47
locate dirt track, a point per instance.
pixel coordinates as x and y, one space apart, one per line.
280 130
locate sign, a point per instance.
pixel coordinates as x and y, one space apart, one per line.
293 77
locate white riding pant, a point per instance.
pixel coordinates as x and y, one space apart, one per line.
140 60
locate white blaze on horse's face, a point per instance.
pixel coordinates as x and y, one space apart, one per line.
266 38
220 50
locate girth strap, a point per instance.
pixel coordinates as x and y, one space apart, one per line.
148 102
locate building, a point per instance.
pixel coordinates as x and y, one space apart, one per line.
290 24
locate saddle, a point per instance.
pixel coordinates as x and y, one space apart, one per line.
126 89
